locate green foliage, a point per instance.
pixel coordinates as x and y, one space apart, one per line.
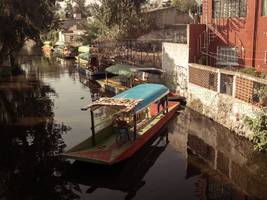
184 5
253 72
69 9
116 19
250 71
258 126
21 20
81 8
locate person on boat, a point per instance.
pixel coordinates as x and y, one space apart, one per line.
122 127
162 102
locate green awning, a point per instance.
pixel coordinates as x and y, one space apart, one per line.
83 49
122 70
84 56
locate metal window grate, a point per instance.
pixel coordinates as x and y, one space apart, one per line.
229 8
227 56
203 78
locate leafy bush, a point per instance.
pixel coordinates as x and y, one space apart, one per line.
258 126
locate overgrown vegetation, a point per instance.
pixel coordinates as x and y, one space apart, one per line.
116 19
253 72
260 94
21 20
258 126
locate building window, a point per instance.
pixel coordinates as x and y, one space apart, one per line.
227 56
227 84
71 38
265 58
264 7
229 8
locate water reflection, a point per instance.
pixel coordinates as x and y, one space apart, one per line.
127 177
227 165
40 117
30 138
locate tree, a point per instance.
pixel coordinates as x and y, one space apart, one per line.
69 9
81 8
118 19
21 20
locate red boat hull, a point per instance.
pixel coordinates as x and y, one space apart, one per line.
142 140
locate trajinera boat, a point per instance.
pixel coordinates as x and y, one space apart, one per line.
123 124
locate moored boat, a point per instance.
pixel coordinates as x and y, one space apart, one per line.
123 124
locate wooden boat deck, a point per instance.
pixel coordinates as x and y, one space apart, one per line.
112 85
108 147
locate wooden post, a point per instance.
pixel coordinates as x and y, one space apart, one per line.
167 104
135 128
106 76
92 127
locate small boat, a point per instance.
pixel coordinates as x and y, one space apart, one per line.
70 52
91 66
125 76
123 124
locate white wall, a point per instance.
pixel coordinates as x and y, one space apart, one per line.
175 59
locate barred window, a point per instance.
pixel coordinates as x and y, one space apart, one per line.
229 8
227 56
264 7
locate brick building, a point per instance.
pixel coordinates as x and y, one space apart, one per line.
235 34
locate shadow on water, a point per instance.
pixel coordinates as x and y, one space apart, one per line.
127 177
30 139
226 165
203 160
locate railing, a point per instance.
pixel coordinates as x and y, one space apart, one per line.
241 86
134 52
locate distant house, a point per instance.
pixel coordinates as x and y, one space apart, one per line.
71 31
168 16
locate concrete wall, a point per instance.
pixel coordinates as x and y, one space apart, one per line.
225 109
175 64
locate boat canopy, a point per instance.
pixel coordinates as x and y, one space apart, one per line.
134 99
84 56
83 49
148 92
127 104
121 70
150 70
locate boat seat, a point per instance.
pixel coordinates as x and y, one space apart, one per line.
122 130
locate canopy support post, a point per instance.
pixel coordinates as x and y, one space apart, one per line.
92 127
135 127
106 76
167 104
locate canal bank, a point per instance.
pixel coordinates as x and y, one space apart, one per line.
227 96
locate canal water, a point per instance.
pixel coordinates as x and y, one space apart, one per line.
40 118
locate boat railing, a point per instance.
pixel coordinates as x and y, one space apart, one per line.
150 120
103 124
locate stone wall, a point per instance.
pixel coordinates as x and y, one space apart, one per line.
229 110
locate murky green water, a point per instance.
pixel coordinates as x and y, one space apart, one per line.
40 118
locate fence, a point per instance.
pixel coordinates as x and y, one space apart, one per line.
141 53
241 86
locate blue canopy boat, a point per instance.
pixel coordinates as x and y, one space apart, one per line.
123 124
